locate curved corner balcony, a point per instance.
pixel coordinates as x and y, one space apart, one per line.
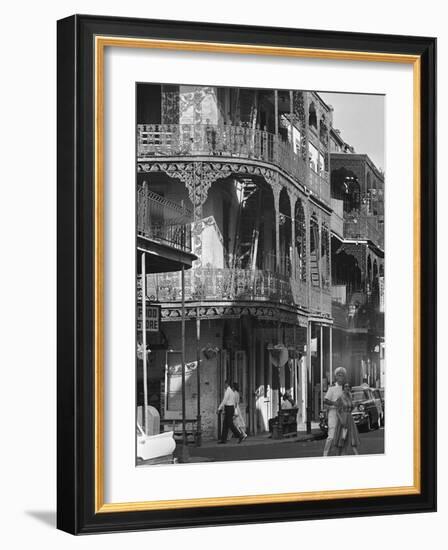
233 285
227 141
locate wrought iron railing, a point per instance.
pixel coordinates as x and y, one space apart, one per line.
161 140
163 220
339 313
221 285
320 300
337 217
359 226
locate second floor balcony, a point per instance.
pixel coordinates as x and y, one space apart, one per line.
234 285
163 221
360 226
214 284
224 140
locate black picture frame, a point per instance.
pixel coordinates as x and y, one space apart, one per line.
76 511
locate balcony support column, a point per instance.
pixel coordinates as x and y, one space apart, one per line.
145 418
308 378
276 111
276 189
198 374
308 248
276 143
330 353
319 255
291 118
321 361
185 453
292 201
328 159
306 144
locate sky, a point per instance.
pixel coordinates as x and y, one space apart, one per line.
360 117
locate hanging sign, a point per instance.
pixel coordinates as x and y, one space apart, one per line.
381 293
152 318
279 355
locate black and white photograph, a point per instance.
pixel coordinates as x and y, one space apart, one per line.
220 299
260 274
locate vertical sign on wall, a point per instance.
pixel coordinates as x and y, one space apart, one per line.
381 292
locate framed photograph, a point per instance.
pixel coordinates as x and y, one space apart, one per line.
246 274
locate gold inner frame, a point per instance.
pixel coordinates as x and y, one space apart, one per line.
101 42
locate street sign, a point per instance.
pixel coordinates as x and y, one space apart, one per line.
152 317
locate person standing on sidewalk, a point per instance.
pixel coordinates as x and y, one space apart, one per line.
238 419
228 406
346 437
331 397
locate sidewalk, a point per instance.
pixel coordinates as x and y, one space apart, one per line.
266 438
259 446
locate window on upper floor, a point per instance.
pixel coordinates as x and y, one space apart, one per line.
312 116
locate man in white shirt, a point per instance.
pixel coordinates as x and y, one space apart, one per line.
332 395
228 406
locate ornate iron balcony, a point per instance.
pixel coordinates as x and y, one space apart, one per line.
221 285
163 220
223 140
360 226
213 284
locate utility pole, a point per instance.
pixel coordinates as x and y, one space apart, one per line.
185 455
308 382
198 373
145 355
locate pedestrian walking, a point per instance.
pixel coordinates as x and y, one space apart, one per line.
238 419
228 406
333 394
346 436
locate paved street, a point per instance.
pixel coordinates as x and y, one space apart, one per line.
264 448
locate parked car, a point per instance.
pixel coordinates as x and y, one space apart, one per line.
155 449
367 410
366 413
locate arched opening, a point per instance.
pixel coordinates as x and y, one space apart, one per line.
369 275
285 233
314 251
323 131
164 210
239 224
312 116
346 271
300 240
375 284
325 256
345 187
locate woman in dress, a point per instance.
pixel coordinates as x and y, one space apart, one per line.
238 420
346 435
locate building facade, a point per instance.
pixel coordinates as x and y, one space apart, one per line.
357 197
163 245
253 168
